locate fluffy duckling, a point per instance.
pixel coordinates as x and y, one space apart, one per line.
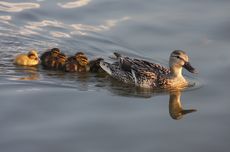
29 59
49 56
60 62
77 63
53 59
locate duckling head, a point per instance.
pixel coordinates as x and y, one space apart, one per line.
62 57
55 52
81 58
179 59
33 55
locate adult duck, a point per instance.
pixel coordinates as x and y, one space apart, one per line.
145 74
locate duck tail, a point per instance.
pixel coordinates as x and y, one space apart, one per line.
106 67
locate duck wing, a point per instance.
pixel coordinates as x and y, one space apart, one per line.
152 67
142 66
136 71
144 73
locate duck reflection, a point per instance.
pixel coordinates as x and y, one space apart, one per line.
28 73
176 110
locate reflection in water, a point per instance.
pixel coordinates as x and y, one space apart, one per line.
75 4
30 76
28 73
176 110
17 7
55 78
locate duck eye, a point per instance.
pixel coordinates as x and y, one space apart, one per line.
178 57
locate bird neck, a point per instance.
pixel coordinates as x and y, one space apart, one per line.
176 71
176 77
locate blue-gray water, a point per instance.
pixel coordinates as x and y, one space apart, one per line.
48 111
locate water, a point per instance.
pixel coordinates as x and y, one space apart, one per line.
44 110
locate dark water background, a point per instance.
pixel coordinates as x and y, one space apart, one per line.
44 110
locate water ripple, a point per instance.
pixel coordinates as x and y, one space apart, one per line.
5 18
73 29
98 28
60 34
74 4
17 7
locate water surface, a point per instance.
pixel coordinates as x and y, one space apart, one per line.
43 110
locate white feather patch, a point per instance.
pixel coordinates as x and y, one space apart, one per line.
105 67
134 76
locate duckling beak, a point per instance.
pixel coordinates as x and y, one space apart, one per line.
188 67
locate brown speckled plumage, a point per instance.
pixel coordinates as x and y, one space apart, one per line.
149 75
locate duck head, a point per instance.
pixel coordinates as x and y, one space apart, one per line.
33 55
179 59
81 58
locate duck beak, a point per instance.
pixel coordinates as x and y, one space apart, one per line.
188 67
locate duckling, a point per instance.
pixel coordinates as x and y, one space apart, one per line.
48 56
145 74
77 63
53 59
29 59
60 61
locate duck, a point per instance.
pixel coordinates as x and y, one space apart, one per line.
77 63
53 59
29 59
145 74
